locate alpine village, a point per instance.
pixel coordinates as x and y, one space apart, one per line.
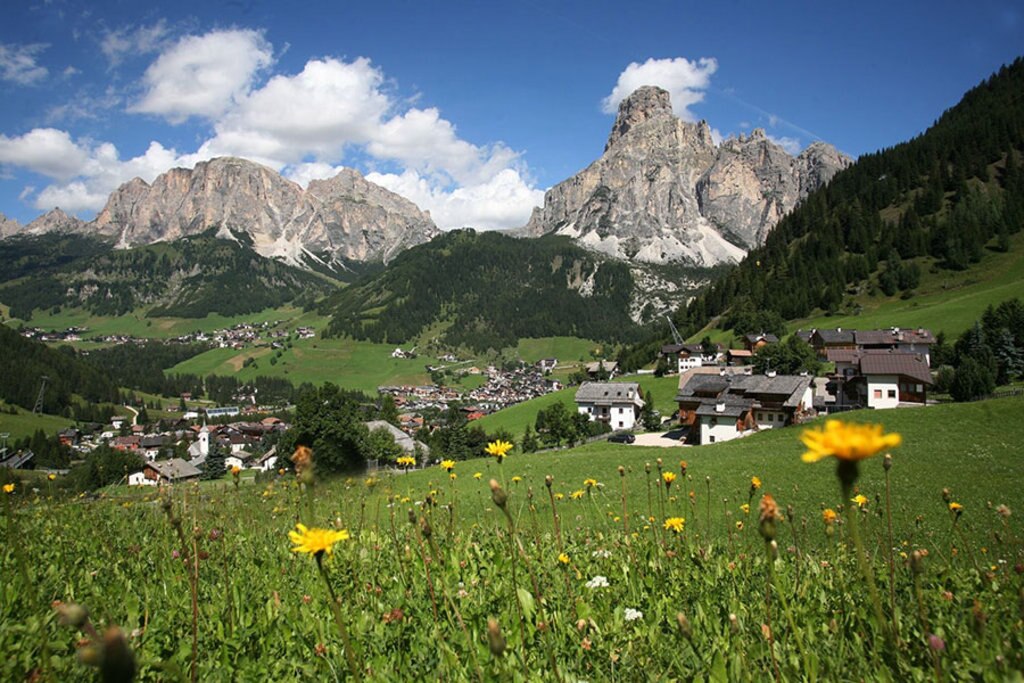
262 428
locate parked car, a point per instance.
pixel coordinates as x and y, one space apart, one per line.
621 437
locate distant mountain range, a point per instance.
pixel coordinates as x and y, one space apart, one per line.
344 218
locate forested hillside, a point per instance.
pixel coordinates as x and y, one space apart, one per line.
938 201
189 278
24 362
489 290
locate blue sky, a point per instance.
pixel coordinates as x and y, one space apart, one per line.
470 109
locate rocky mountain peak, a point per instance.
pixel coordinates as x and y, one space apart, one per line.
345 216
645 103
663 191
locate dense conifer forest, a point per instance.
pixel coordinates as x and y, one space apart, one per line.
490 290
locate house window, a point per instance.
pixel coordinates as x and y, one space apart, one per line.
711 439
621 411
760 417
892 393
878 393
620 424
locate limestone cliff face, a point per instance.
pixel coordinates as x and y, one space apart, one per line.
664 192
8 226
345 216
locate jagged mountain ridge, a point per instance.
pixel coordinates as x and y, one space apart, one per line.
345 217
663 191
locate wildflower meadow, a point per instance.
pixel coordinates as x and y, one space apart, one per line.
846 551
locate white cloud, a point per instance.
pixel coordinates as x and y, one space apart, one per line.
318 111
138 40
18 63
303 124
48 151
685 81
791 145
203 75
504 201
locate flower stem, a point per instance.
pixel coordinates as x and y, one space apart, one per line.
336 611
862 564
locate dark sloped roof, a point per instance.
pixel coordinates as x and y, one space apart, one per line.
175 469
790 386
895 336
842 355
733 408
604 393
837 336
766 336
702 383
907 364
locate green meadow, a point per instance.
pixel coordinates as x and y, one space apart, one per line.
622 577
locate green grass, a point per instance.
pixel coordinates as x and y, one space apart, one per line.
137 325
565 349
25 424
416 598
965 447
946 301
348 363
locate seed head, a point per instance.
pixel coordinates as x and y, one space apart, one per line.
498 494
495 640
887 462
684 626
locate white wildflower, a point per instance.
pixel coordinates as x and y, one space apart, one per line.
603 554
631 614
598 582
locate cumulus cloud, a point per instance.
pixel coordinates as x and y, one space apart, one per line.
48 151
791 145
203 75
115 44
305 124
18 63
504 201
685 81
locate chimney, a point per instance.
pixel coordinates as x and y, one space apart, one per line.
839 329
770 373
721 372
720 407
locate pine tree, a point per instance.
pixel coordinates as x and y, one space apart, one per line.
213 467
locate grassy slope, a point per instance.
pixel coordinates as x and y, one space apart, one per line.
946 300
345 362
26 424
515 418
138 325
966 447
565 349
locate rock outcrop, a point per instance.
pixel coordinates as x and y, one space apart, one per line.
663 191
8 226
345 216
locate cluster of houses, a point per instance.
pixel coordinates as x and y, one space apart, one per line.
720 398
243 335
502 389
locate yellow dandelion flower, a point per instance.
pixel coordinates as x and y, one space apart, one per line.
745 508
371 482
675 524
576 495
559 496
406 461
453 476
755 483
51 477
447 465
8 488
829 516
516 479
739 525
860 499
235 471
846 441
955 507
406 499
668 477
478 475
589 483
499 449
315 541
563 558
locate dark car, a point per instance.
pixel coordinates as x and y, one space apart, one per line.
622 437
